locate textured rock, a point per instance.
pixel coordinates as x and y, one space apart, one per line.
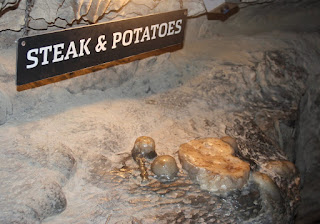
6 15
75 137
231 141
165 168
64 13
211 163
283 168
144 147
271 198
269 188
182 201
39 24
5 107
31 182
28 195
38 200
308 153
102 79
195 8
47 13
7 3
267 158
47 10
95 119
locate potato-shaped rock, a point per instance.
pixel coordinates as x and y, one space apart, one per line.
211 163
144 147
165 167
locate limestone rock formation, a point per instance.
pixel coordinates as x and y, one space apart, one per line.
308 153
46 13
31 183
5 107
268 188
211 163
37 200
7 3
165 168
99 115
12 9
66 146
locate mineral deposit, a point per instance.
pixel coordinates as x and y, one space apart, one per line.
211 163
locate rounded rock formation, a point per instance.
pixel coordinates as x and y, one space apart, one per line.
144 147
210 163
231 141
165 168
267 187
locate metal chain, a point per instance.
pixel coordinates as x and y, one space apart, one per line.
29 5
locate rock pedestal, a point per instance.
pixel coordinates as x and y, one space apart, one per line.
211 163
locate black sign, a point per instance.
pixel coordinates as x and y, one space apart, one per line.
47 55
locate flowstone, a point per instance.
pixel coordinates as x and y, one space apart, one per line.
211 163
181 200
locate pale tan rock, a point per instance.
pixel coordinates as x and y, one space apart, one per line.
195 7
7 3
144 147
231 141
48 11
283 168
210 163
8 23
38 24
5 107
165 168
268 188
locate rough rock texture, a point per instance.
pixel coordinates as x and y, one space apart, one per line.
165 168
32 180
46 13
211 163
14 9
65 147
8 3
308 153
64 13
96 118
5 4
144 147
268 188
180 201
5 107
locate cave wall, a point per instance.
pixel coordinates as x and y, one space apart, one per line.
65 13
307 151
298 138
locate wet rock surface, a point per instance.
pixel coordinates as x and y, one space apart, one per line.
211 163
165 168
266 156
81 145
307 152
182 201
65 148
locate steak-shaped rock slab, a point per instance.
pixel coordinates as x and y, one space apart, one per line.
211 163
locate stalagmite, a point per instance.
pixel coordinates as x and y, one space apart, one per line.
165 167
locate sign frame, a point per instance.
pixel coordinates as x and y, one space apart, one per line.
48 55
